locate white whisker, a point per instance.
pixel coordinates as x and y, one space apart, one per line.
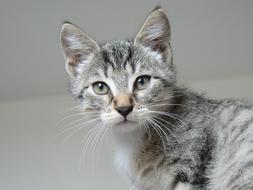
170 115
78 129
156 119
87 142
152 123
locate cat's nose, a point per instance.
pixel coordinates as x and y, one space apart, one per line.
125 110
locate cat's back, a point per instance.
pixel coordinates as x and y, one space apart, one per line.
232 164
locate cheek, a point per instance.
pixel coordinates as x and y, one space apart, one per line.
156 98
95 101
111 117
145 96
139 113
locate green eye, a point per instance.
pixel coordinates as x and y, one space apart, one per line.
142 82
100 88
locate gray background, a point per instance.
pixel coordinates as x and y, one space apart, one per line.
211 39
212 43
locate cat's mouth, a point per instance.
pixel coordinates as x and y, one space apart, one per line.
125 122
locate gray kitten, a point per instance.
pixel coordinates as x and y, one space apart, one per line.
167 137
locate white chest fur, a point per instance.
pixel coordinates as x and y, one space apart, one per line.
127 145
122 162
183 186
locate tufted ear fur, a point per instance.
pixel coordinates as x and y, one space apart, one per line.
78 48
155 32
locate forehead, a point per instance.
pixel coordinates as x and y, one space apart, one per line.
117 54
118 62
123 55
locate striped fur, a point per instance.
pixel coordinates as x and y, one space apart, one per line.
173 139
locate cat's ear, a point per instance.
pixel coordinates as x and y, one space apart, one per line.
155 32
77 46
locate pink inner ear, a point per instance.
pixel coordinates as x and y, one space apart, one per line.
155 32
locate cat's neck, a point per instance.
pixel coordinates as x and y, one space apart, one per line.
126 147
128 140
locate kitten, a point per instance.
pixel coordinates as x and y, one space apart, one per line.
167 137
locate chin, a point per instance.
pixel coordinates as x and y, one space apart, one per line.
126 126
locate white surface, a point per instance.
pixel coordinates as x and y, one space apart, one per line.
31 160
211 39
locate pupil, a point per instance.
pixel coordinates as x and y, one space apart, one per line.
141 81
100 85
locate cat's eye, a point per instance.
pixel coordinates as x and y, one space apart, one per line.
142 82
100 88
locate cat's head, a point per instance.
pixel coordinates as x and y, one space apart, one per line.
122 81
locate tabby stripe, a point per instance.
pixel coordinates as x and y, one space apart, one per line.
107 59
247 166
243 129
